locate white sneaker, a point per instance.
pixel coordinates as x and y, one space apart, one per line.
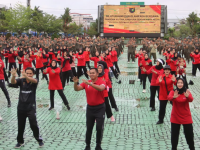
1 118
133 62
144 91
138 80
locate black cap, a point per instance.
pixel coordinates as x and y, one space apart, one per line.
167 67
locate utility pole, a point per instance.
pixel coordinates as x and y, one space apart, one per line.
28 3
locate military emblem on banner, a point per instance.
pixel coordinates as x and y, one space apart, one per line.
132 10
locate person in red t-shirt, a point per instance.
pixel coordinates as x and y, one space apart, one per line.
108 60
145 65
110 93
27 62
103 76
39 65
156 71
172 62
66 68
196 62
87 58
11 59
81 64
55 83
140 56
2 82
115 60
181 115
166 82
21 54
96 58
94 89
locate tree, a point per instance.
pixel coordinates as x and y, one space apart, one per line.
37 20
171 31
66 18
75 29
3 23
193 23
18 18
93 30
184 30
51 23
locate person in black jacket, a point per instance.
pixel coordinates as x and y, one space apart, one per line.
26 105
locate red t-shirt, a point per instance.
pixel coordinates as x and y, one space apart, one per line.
96 59
114 56
26 63
144 65
180 109
54 79
39 62
94 97
108 61
67 66
163 91
86 53
1 70
81 59
196 58
154 75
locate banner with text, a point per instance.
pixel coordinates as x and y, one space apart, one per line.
132 19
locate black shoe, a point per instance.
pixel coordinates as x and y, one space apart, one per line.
18 145
51 108
119 82
41 144
87 148
68 107
116 109
98 147
159 122
9 105
153 109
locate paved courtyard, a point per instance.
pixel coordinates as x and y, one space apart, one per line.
135 127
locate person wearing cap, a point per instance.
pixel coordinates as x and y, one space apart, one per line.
166 82
181 115
196 62
156 71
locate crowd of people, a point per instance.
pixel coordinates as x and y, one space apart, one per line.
56 61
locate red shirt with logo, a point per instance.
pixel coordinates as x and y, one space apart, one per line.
94 97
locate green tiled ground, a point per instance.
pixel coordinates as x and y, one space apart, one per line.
134 128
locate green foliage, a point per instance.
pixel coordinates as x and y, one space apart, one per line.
3 23
18 18
171 32
193 22
55 35
74 29
166 37
93 29
66 18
